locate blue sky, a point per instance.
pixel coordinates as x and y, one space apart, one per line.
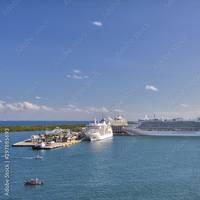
73 59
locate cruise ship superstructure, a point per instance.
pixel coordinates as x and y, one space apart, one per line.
177 124
118 124
99 130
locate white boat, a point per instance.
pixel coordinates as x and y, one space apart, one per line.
99 130
39 146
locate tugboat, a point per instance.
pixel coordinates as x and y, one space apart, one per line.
33 182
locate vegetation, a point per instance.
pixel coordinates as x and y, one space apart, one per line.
73 127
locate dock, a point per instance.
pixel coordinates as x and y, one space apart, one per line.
27 143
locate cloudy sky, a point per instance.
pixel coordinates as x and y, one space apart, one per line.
73 60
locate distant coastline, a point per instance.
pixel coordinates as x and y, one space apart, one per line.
41 122
40 125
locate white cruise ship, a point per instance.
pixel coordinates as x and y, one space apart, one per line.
99 130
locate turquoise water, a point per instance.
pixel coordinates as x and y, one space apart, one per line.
141 168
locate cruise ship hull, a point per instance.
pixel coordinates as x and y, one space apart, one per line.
97 136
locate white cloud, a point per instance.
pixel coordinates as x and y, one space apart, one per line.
38 97
23 106
13 107
76 71
46 108
98 110
118 110
184 105
97 23
74 108
151 88
77 75
1 105
30 106
8 97
71 107
26 109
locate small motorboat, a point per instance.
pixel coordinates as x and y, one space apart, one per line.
33 182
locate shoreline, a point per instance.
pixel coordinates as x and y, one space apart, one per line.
19 128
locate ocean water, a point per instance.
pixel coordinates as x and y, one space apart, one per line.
125 168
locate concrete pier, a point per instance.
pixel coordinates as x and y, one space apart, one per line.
28 143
